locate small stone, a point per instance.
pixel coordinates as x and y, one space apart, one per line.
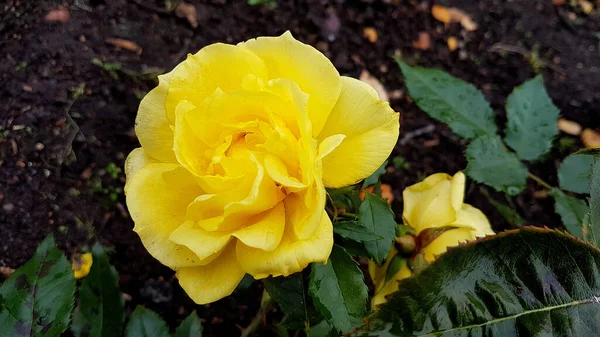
39 146
8 207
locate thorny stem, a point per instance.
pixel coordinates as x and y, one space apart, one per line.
539 180
266 303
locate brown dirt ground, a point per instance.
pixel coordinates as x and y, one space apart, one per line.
45 187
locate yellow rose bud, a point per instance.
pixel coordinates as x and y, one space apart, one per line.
435 202
81 265
238 145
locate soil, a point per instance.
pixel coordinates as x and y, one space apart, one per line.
61 149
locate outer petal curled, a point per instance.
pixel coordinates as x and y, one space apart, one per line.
205 284
158 208
289 58
371 128
292 255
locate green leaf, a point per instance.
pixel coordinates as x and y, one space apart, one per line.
595 204
37 299
532 120
375 214
507 212
322 329
291 294
146 323
190 327
527 282
374 178
356 231
490 163
338 290
574 173
571 211
99 309
450 100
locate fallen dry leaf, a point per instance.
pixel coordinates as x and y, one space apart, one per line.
60 14
452 43
569 127
424 41
187 11
366 77
371 34
586 6
452 14
6 271
125 44
386 192
590 138
558 2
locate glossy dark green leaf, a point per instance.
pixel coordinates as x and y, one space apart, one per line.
490 163
355 230
450 100
37 299
574 173
99 310
291 293
571 211
338 290
374 178
375 214
190 327
507 212
532 120
526 282
595 204
146 323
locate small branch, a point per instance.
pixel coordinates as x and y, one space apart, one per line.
539 180
266 304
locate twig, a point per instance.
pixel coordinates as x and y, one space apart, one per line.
266 303
539 180
415 133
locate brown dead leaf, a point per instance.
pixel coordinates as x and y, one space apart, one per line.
569 127
6 271
590 138
371 34
125 44
386 192
424 41
558 2
59 14
586 6
187 11
452 14
366 77
452 43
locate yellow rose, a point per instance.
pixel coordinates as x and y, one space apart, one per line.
238 145
437 201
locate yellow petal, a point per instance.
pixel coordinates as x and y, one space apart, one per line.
474 219
134 162
448 239
288 58
279 173
291 256
206 245
457 193
188 147
377 272
371 128
428 203
265 230
205 284
81 265
215 66
390 287
151 124
329 144
304 208
158 208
